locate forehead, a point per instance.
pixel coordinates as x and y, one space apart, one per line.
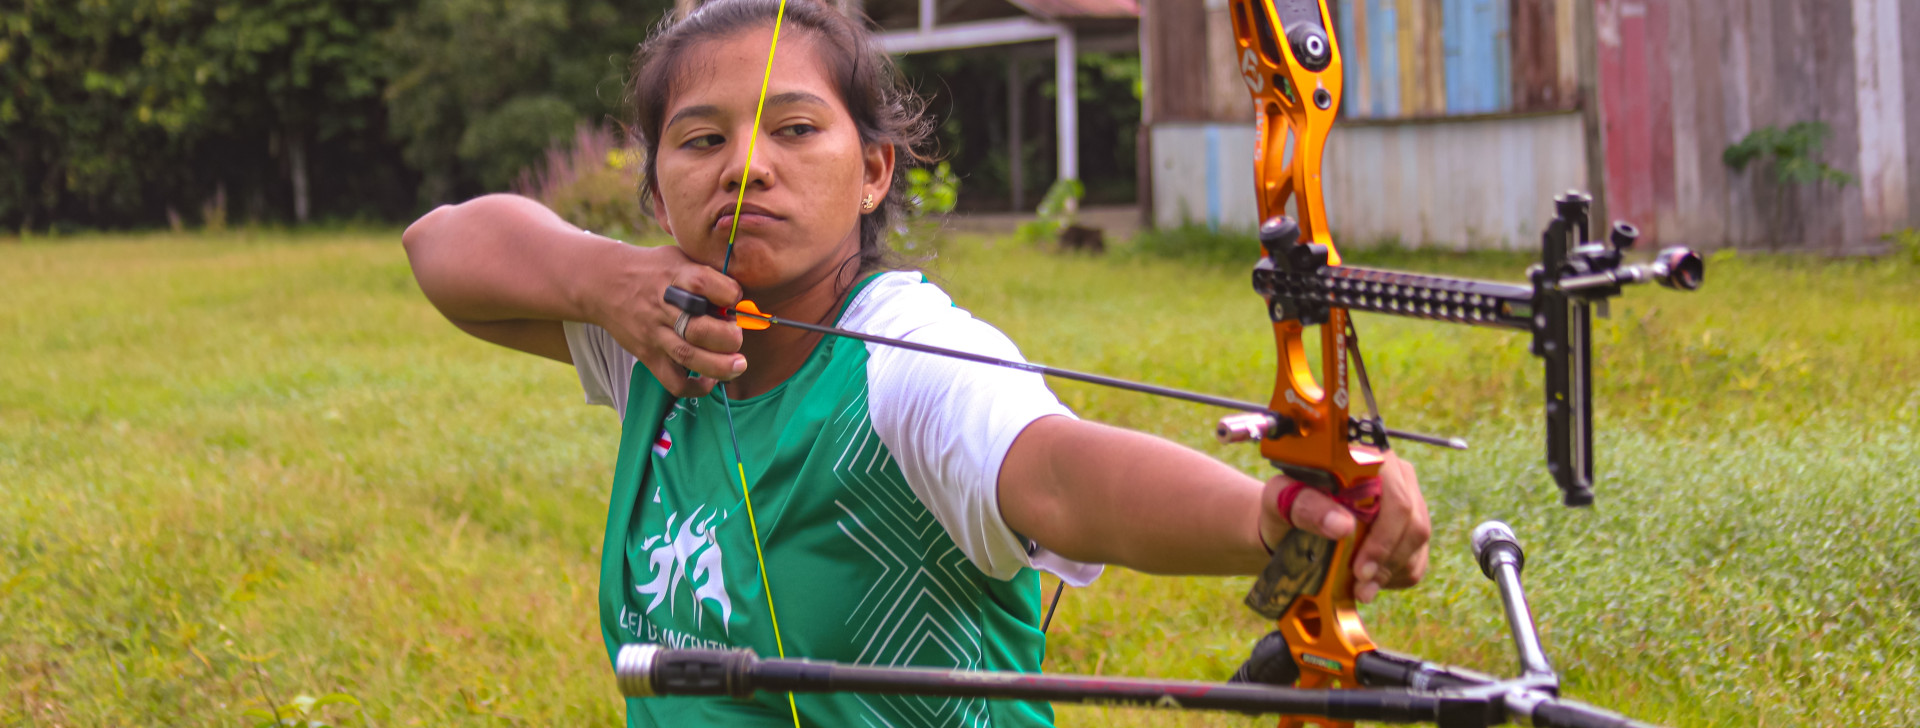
726 71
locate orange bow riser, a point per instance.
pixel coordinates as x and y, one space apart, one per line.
1292 67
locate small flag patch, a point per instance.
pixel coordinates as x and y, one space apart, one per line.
663 443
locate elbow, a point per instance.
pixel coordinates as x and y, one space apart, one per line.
449 223
421 235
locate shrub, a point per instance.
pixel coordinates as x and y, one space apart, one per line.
1906 244
1794 152
1057 212
1200 244
594 183
501 141
931 194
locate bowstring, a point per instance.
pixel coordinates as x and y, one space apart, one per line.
726 403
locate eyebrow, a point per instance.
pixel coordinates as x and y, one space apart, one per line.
779 99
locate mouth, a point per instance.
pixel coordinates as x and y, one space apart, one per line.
751 215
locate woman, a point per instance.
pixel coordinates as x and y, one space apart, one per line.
903 504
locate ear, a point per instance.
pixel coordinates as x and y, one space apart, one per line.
660 213
877 171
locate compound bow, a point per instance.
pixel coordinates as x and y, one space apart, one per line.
1310 669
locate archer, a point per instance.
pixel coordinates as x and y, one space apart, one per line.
835 500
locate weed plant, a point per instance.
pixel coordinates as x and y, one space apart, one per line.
237 471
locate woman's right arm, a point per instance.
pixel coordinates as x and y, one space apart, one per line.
508 270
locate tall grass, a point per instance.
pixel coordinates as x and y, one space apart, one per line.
236 470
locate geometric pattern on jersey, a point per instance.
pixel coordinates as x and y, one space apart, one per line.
861 569
914 607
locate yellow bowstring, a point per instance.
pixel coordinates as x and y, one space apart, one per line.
753 139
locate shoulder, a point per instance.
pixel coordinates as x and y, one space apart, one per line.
905 305
896 302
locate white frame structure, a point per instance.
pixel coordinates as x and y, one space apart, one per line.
930 37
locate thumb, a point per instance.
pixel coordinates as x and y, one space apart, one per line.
1319 514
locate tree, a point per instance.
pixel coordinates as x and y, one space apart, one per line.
301 71
113 110
97 97
481 87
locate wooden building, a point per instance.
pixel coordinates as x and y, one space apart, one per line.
1463 118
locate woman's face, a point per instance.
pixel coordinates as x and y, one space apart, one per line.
800 219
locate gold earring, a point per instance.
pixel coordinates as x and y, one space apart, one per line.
866 203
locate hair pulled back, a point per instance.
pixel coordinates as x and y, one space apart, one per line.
884 111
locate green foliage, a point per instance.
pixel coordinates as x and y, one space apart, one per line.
1793 152
480 87
1057 211
931 194
1197 243
974 137
118 108
500 143
1096 73
593 183
116 112
1906 243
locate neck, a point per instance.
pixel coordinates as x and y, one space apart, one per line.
775 354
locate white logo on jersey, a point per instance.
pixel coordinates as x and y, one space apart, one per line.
693 543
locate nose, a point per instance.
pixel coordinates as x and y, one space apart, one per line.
748 164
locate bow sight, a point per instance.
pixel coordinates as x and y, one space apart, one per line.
1572 279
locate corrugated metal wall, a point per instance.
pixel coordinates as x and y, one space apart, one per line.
1484 183
1681 80
1431 155
1426 58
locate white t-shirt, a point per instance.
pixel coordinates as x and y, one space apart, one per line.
948 422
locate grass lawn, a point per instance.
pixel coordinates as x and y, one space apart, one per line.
238 470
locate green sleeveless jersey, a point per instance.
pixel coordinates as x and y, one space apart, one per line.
860 570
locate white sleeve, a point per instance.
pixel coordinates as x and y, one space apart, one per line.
605 368
949 423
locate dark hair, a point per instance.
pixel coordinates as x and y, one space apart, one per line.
884 111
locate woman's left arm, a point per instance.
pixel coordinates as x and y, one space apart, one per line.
1102 494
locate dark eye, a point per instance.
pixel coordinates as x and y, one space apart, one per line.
704 141
797 129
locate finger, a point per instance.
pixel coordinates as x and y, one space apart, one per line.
1319 514
708 283
712 334
1372 561
674 377
1365 592
711 364
1412 573
1394 552
1409 556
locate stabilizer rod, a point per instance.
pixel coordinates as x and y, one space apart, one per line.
649 670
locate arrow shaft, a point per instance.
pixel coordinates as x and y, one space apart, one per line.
1104 381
